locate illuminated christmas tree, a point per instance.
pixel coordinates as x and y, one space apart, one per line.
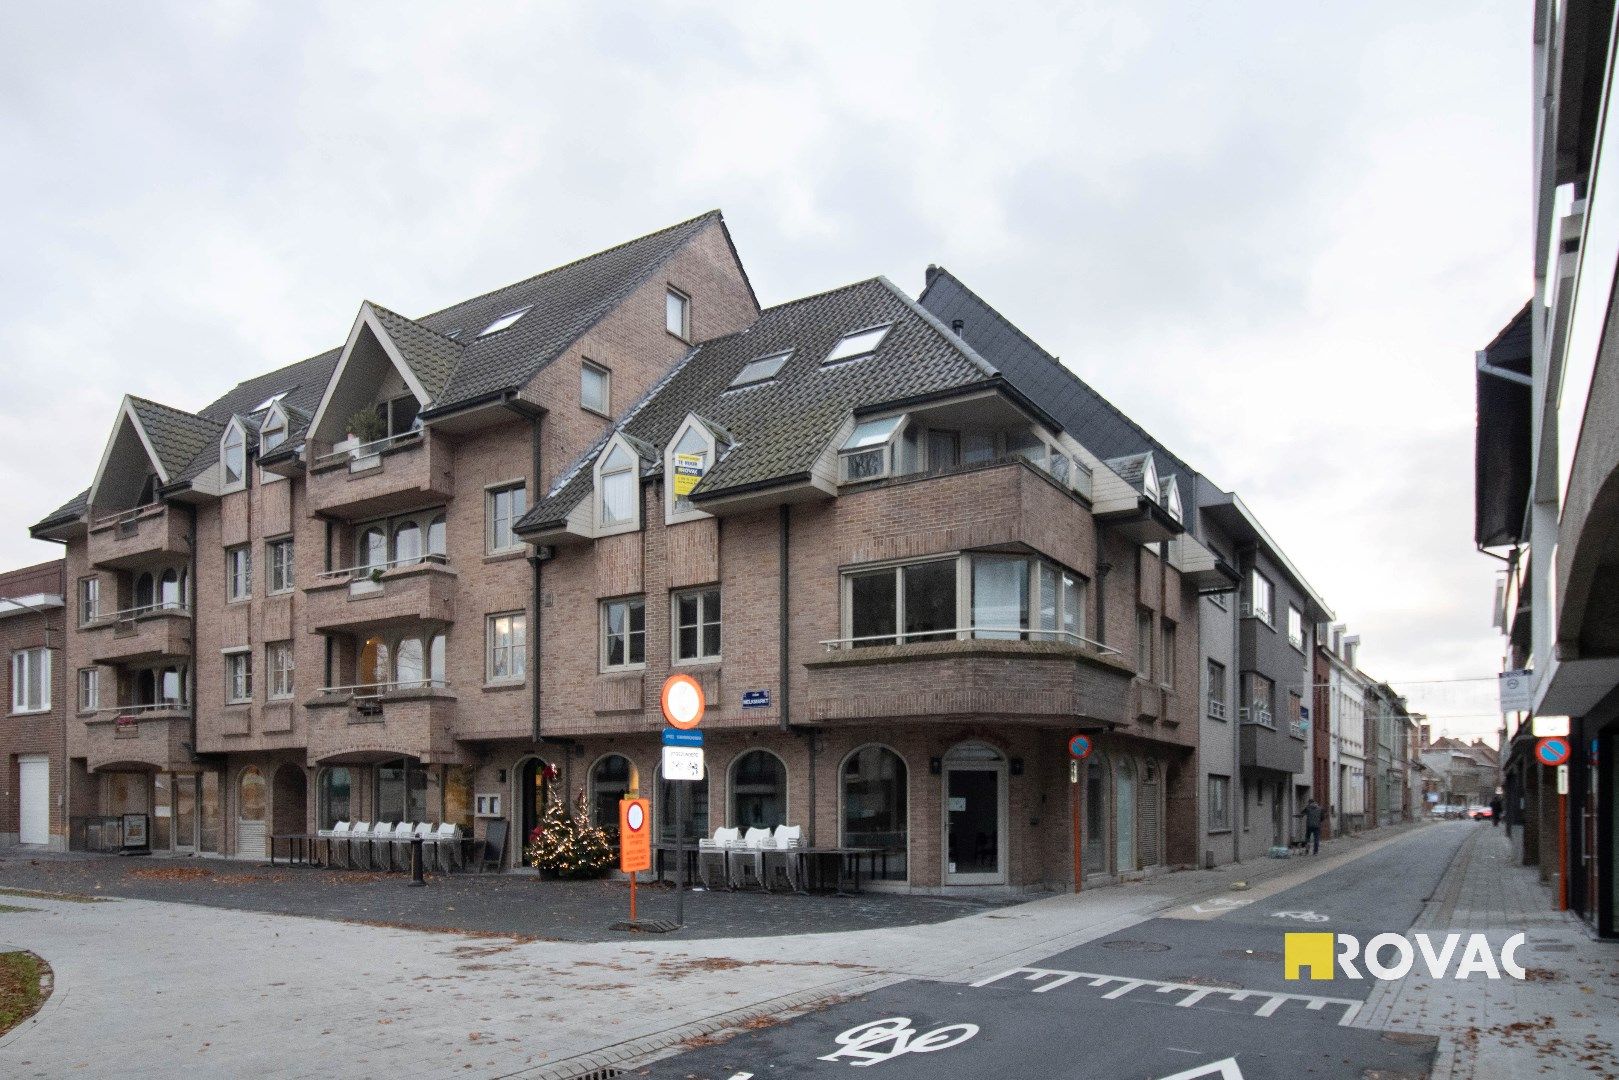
566 844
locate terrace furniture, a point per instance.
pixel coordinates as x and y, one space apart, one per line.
494 846
783 853
717 850
815 863
748 856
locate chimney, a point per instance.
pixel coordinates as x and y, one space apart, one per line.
957 326
931 273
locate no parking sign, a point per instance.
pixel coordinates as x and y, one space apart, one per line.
1079 747
1552 751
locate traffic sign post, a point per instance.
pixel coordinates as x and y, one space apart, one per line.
1079 748
1553 752
634 840
683 706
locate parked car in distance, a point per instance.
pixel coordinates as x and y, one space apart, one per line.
1478 813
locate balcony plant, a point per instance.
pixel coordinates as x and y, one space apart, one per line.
365 426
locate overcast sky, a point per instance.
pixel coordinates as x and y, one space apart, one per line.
1272 233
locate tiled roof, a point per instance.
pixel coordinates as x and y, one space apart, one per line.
176 436
781 426
1131 468
71 510
302 384
432 356
1085 414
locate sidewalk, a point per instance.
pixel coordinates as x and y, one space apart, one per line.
1558 1022
193 990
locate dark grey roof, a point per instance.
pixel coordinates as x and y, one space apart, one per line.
432 356
1131 468
780 427
303 385
1085 414
71 510
176 436
562 305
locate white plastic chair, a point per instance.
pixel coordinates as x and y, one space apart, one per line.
447 842
400 839
783 851
751 854
717 849
359 830
337 832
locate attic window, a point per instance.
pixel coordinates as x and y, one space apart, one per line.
271 400
233 453
503 322
274 431
868 453
858 345
761 370
616 487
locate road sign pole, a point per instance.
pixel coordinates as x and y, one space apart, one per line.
1079 837
680 853
632 895
1562 852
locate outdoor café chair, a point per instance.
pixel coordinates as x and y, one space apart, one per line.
359 830
749 854
399 841
447 843
716 850
337 832
783 852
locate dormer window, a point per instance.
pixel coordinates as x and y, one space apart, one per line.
618 475
274 431
857 346
503 323
688 459
759 371
868 452
233 453
1149 482
1172 498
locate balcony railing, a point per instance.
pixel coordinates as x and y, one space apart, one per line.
137 536
374 570
372 691
112 618
144 709
969 633
361 451
1217 709
1262 717
381 477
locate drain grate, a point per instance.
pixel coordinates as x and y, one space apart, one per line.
1135 946
606 1072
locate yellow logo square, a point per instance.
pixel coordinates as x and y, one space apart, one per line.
1313 951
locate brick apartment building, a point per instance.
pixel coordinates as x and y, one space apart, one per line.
32 630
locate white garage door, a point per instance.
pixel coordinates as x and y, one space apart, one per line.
34 799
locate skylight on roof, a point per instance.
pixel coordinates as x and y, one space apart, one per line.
503 322
267 402
858 345
761 370
872 433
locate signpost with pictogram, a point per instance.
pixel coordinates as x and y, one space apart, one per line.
1553 753
683 707
1079 748
634 840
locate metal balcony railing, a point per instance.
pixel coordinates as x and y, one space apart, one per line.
968 633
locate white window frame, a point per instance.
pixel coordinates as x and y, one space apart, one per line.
272 549
492 519
233 442
515 653
1073 593
23 663
760 371
1264 614
672 513
1295 618
702 594
238 586
89 600
279 677
89 689
275 424
504 322
590 367
672 293
858 344
628 602
598 504
888 447
238 664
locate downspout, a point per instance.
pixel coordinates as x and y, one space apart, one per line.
535 561
782 635
1236 727
191 602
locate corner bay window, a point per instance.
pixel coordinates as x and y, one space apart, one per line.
1001 597
868 452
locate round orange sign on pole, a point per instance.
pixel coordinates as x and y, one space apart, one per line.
682 701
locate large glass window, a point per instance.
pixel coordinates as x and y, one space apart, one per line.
875 807
373 548
238 677
616 500
233 454
458 796
1295 627
508 647
758 791
407 544
623 633
695 815
375 669
31 680
1258 698
333 793
1000 596
408 663
146 591
697 625
506 505
279 661
1259 597
172 590
436 540
401 792
280 552
609 781
914 602
238 573
254 802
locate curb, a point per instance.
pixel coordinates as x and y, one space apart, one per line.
50 984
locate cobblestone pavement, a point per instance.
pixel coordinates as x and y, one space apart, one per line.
146 987
1559 1022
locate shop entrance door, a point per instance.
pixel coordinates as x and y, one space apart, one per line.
975 816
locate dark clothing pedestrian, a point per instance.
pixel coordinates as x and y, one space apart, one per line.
1496 806
1312 826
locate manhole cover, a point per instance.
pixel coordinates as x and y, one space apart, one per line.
1252 954
1135 946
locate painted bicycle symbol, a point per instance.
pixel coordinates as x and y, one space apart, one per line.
896 1032
1301 916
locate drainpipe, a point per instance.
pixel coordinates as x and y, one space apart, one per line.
1236 727
782 635
190 599
535 561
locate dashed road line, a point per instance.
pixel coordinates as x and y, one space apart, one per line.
1270 1001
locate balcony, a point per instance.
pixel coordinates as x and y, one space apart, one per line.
139 537
139 737
379 721
1059 681
381 477
391 594
140 635
1264 746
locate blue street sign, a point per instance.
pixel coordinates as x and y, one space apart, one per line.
756 699
1552 751
676 737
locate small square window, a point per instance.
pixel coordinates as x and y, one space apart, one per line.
595 387
503 322
677 314
857 346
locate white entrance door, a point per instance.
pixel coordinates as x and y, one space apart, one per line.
34 799
975 816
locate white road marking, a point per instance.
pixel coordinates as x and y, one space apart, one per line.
896 1032
1051 978
1301 916
1225 1069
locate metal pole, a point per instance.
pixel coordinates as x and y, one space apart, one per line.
1079 851
680 852
416 861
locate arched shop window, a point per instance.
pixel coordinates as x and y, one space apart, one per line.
334 792
874 806
609 780
696 816
758 791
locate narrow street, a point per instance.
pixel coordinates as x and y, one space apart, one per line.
1197 991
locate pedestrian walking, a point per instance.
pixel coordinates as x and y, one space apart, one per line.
1312 825
1496 806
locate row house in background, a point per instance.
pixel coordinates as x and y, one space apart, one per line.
32 784
1346 695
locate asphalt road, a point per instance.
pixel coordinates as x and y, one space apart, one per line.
1178 998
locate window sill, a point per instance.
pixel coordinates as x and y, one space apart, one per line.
238 703
697 662
239 600
288 591
592 410
504 556
683 339
502 687
623 669
280 699
1220 832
